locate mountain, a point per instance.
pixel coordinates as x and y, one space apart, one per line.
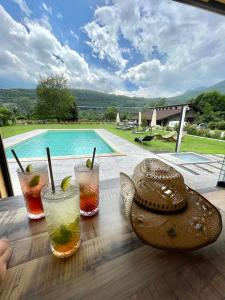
85 98
180 99
220 87
93 99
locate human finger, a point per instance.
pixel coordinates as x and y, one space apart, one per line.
4 244
6 255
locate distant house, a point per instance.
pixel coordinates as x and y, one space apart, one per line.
168 113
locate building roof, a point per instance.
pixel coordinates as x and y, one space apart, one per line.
161 114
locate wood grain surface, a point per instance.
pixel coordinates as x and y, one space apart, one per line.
112 263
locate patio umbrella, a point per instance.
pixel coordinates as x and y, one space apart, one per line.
117 118
139 119
153 121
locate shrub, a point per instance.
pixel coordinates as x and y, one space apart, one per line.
216 134
191 129
212 125
221 125
176 127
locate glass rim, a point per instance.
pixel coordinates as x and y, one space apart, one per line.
86 169
68 193
40 166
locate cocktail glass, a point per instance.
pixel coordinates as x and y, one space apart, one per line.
62 213
31 185
88 180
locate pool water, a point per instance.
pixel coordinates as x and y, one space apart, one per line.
191 158
61 143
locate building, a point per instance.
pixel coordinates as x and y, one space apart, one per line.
165 114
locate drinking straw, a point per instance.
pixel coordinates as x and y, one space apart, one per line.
18 161
93 158
50 169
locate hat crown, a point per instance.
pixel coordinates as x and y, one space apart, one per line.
158 186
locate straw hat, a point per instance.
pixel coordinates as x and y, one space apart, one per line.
166 213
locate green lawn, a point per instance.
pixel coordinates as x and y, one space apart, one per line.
189 143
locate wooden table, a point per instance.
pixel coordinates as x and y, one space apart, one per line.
112 263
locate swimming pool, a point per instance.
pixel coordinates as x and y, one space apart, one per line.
61 143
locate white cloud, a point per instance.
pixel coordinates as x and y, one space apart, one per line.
47 8
73 34
103 34
23 6
190 44
31 51
162 47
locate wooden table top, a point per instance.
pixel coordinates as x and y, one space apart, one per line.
112 263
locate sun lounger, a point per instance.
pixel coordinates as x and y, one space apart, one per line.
146 129
171 137
147 138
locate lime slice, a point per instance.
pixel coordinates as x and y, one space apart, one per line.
34 181
74 226
61 235
88 163
29 168
66 182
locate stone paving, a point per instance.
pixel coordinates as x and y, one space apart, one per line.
110 166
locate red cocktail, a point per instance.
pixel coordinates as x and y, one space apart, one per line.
32 181
88 180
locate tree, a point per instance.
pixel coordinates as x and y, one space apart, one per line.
25 107
73 112
110 114
124 116
54 99
5 115
210 106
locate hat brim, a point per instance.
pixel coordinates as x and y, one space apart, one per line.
198 225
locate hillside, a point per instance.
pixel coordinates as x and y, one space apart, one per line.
220 87
85 98
97 99
94 99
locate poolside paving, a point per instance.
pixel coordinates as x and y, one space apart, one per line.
111 166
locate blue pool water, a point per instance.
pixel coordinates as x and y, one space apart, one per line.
61 143
191 157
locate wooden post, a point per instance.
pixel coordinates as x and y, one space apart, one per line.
5 170
181 126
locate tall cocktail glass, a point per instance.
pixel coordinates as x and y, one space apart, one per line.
31 184
88 180
62 213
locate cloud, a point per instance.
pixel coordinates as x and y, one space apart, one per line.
31 51
23 6
47 9
161 47
103 34
179 47
73 34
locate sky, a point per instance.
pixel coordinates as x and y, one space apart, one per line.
133 47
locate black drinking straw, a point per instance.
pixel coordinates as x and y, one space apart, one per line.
18 161
93 158
50 169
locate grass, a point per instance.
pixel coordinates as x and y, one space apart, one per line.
189 143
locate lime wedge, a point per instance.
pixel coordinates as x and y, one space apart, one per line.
66 182
34 181
29 168
62 235
88 163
